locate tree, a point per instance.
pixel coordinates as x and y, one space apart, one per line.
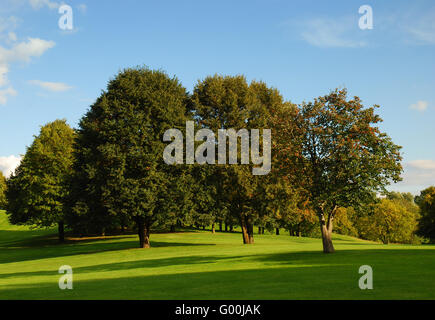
334 151
390 221
120 171
229 102
2 191
426 224
38 189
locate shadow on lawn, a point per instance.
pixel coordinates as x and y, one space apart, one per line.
296 275
10 237
289 259
49 247
186 261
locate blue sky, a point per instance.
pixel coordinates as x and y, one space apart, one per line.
303 48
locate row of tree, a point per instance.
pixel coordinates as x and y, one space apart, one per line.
109 173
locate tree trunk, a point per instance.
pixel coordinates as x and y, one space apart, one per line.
251 233
259 230
245 235
61 230
172 228
262 230
226 227
326 230
220 226
213 230
247 230
143 229
231 228
277 231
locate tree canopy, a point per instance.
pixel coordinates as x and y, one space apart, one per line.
230 102
119 169
329 162
391 220
38 189
426 202
333 149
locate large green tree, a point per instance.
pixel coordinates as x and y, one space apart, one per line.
38 189
230 102
426 224
334 150
120 172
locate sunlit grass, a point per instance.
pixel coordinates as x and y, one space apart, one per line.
201 265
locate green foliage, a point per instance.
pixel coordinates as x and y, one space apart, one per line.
329 161
333 149
426 202
391 220
341 154
38 189
224 102
2 191
344 222
281 206
120 172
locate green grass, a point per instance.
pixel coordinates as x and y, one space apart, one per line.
201 265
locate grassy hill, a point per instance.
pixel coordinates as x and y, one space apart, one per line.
201 265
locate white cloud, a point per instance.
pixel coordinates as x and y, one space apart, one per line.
8 164
417 175
37 4
12 36
4 93
51 86
9 23
25 50
13 5
20 52
330 33
422 164
419 106
422 28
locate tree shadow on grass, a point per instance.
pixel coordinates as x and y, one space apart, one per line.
238 284
185 261
22 238
288 259
10 237
46 247
295 275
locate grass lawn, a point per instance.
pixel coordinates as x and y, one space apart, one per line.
201 265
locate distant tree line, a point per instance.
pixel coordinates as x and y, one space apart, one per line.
329 161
